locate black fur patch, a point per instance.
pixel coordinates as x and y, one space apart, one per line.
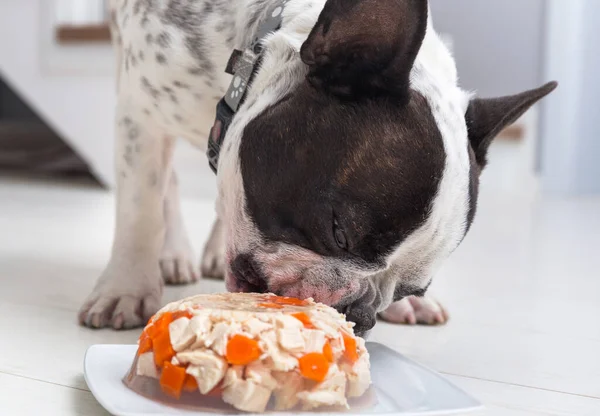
163 40
149 88
161 58
374 165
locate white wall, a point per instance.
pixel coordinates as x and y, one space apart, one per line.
72 90
571 146
497 43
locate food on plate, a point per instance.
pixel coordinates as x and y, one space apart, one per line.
250 350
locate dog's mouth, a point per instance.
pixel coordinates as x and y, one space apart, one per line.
243 275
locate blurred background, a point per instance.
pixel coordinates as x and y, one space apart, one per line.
522 289
57 89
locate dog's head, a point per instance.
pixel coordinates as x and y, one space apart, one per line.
349 174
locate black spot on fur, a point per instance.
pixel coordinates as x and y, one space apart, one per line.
178 118
182 85
146 111
133 132
195 71
161 59
199 51
149 88
137 7
141 56
153 179
128 156
149 38
163 40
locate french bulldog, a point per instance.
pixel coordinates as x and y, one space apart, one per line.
348 174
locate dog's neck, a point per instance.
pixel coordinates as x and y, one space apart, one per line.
299 17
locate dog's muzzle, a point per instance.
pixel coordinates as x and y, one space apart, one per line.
247 275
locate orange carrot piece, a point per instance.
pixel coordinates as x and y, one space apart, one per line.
160 325
163 351
190 384
284 300
314 366
152 331
350 351
305 319
172 379
328 352
144 344
242 350
270 305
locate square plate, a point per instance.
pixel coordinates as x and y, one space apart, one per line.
401 387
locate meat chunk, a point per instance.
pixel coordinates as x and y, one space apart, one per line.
247 395
314 340
291 339
180 333
205 366
146 366
330 392
286 394
260 374
217 339
279 359
359 377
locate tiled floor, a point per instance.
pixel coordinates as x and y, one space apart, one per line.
523 292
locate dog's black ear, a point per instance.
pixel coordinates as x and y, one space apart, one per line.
487 117
365 47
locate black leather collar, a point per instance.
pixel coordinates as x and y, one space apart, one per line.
243 66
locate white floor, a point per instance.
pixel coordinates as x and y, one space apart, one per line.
523 291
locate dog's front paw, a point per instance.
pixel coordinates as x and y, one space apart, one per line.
213 263
213 258
414 310
123 299
177 264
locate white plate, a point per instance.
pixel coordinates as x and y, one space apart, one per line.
401 386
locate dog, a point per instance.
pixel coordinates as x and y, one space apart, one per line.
349 172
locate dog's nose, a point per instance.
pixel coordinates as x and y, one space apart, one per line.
248 274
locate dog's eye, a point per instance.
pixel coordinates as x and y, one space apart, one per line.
340 236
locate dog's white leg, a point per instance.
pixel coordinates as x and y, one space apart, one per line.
129 290
414 310
213 258
176 260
